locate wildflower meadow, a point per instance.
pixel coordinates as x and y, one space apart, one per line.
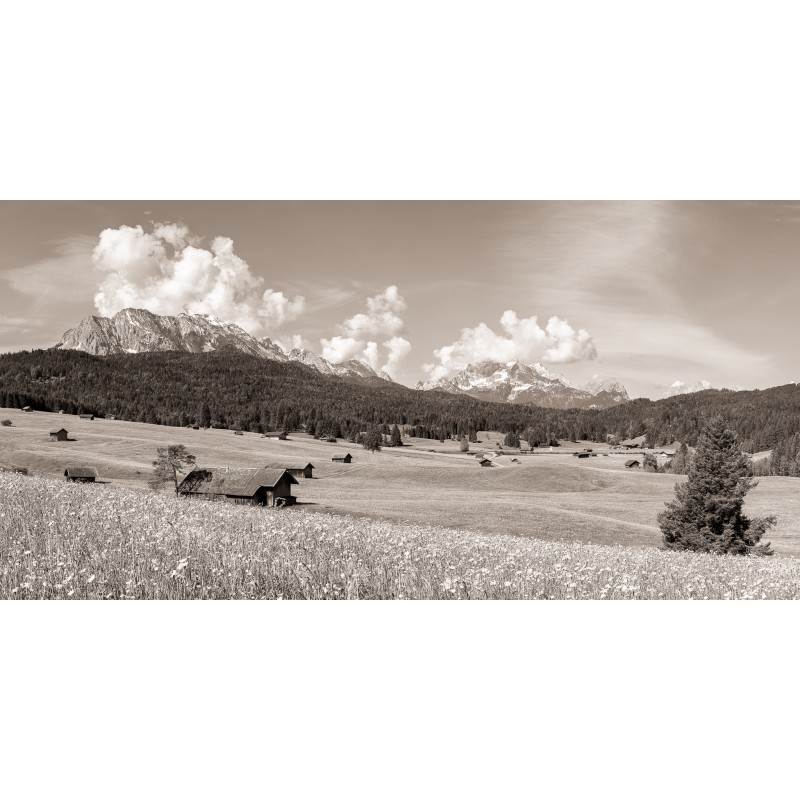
60 541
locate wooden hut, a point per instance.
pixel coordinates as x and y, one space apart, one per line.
297 469
282 436
238 433
87 416
632 463
253 487
59 436
81 474
485 462
27 408
345 459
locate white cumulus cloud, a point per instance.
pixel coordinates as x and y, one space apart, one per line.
522 339
167 272
359 335
680 387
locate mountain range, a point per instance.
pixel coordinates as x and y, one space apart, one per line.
135 330
515 382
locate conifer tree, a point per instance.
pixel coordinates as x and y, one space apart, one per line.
397 439
171 459
707 512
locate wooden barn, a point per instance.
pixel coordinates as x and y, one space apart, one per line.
59 436
87 416
345 459
238 433
81 474
27 408
253 487
485 462
298 470
632 463
282 436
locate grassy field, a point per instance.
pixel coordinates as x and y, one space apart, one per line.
69 541
550 496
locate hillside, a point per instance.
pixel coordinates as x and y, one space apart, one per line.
228 388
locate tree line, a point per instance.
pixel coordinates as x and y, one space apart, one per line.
229 389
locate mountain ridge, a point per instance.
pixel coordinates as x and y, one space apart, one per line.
515 382
136 330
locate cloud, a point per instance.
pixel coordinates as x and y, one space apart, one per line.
524 340
359 335
167 272
680 387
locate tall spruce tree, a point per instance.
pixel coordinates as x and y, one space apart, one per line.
707 512
397 439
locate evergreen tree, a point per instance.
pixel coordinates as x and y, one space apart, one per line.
372 440
397 439
464 446
649 463
679 465
707 512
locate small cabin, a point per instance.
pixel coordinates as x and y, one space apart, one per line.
81 474
238 433
583 455
298 470
515 461
27 408
87 416
632 463
110 416
485 462
345 459
251 487
282 436
59 436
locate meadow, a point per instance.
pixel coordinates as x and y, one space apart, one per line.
73 541
549 495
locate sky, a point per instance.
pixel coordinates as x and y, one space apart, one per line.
665 296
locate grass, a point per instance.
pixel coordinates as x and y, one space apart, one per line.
546 496
60 540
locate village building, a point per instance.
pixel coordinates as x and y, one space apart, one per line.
298 470
254 486
485 462
87 416
275 435
59 436
632 463
345 459
81 474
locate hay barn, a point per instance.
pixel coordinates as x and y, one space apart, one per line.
81 474
345 459
59 436
253 487
296 469
238 433
632 463
87 416
27 408
282 436
485 462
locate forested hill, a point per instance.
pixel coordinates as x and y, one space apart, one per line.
231 389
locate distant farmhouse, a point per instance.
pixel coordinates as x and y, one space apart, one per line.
238 433
485 462
346 459
253 487
282 436
297 470
27 408
59 436
81 474
632 463
87 416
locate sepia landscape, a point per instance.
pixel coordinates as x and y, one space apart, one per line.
184 442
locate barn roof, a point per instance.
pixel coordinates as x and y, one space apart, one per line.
291 465
80 472
237 482
339 458
630 462
60 430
